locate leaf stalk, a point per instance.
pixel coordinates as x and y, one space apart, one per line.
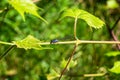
75 25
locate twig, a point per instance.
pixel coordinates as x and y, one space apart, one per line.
8 50
94 75
71 42
112 33
82 42
68 62
115 23
7 43
5 11
88 75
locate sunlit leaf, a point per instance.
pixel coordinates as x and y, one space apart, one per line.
29 43
11 72
26 6
53 74
90 19
112 53
112 4
63 63
71 65
116 68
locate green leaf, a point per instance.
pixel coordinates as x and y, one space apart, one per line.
90 19
112 53
116 68
29 43
25 6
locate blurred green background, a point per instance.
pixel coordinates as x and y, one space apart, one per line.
22 64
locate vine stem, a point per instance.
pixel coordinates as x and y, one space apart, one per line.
7 43
6 52
68 62
75 36
88 75
75 28
73 42
111 32
82 42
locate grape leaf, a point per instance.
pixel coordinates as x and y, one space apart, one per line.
25 6
116 68
29 43
90 19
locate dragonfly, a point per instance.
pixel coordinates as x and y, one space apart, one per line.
54 41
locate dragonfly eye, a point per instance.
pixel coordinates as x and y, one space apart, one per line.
54 41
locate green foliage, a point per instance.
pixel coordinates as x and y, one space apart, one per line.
47 64
89 18
112 53
25 6
116 68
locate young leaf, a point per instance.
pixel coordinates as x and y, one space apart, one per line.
90 19
116 68
25 6
53 74
71 65
112 53
29 43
